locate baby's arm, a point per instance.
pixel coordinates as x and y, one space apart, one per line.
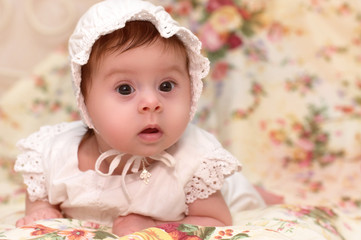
212 211
38 210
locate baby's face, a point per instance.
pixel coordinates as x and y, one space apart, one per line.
139 100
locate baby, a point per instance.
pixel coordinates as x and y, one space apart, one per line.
135 160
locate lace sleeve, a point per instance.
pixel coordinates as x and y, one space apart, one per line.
210 175
30 161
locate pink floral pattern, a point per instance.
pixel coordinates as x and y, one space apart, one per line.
60 229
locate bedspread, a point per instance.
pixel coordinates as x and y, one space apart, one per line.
276 222
283 95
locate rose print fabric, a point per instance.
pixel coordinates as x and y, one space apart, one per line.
283 95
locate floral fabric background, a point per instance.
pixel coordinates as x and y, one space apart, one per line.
283 95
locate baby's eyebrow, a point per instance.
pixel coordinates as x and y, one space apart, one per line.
116 71
175 67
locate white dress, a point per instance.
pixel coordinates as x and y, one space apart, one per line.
49 165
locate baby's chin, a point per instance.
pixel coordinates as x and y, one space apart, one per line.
149 150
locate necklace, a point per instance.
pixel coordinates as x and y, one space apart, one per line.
145 174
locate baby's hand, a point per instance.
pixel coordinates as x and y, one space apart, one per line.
131 223
44 213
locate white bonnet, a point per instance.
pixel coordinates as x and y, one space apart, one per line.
110 15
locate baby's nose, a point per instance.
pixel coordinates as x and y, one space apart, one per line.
150 104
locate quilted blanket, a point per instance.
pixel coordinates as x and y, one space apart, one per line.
277 222
283 95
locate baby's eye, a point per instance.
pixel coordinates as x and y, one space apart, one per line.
166 86
125 89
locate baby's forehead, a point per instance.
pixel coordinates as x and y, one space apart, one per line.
158 56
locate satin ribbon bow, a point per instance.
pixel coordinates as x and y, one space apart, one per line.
134 162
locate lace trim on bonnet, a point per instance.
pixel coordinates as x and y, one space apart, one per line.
29 162
211 174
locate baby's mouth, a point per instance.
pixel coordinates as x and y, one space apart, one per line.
150 131
151 134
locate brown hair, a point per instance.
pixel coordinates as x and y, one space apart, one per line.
134 34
